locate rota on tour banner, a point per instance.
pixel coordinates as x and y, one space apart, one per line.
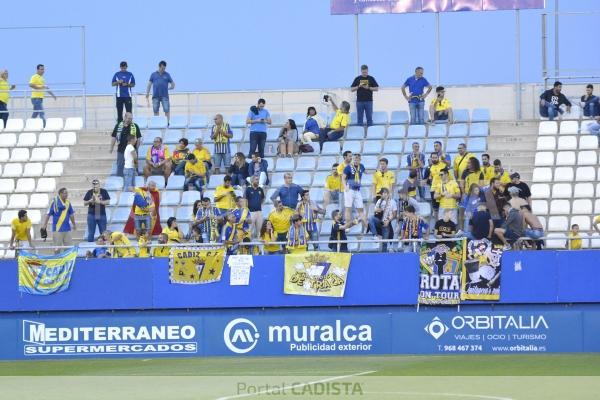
193 266
441 265
481 275
40 274
316 273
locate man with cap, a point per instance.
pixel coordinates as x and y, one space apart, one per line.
21 231
96 199
524 192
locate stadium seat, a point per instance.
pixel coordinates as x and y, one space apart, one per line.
461 115
556 241
285 164
393 162
306 163
376 132
157 122
175 182
33 170
113 183
585 126
7 185
458 130
5 233
268 195
539 207
479 129
567 143
76 124
54 125
17 201
14 125
3 200
278 119
60 154
548 128
480 115
47 139
380 118
158 179
184 214
565 158
582 206
546 143
215 180
4 155
330 148
197 121
355 133
542 174
46 185
8 216
325 162
125 199
142 122
437 131
166 213
585 174
303 179
583 190
27 140
394 146
299 119
575 113
39 154
561 191
353 118
121 214
559 224
563 174
396 132
597 206
587 157
113 198
355 146
452 145
193 134
14 170
34 125
178 122
39 200
25 185
238 136
370 163
399 117
277 179
569 127
19 155
416 131
544 159
477 145
172 136
8 140
273 134
560 207
170 198
583 221
588 143
237 121
372 147
189 197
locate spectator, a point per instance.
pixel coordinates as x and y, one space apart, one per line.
161 82
120 135
383 178
533 226
280 218
574 242
501 174
364 85
338 125
444 157
313 125
143 249
481 224
123 81
5 89
96 199
63 220
202 154
447 192
172 231
495 197
288 136
470 203
255 196
461 161
346 160
268 237
333 186
472 175
258 117
38 83
258 167
195 174
179 156
412 227
206 221
351 181
242 223
524 192
221 134
158 160
130 164
435 169
338 232
162 251
408 192
20 236
229 235
512 229
297 241
445 227
590 103
416 98
551 100
386 211
238 170
596 223
194 233
415 161
309 212
144 210
100 251
440 108
288 193
514 199
487 169
224 197
124 248
594 128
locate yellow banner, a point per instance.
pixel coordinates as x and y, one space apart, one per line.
45 274
193 266
316 273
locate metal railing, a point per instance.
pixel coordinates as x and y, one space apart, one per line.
70 101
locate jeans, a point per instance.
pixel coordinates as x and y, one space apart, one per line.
325 135
128 178
196 181
180 168
365 107
375 224
417 112
94 220
120 163
3 112
595 129
550 111
238 180
222 159
453 214
535 234
591 109
257 143
38 109
123 102
314 236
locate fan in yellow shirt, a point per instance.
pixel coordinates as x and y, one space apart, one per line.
143 251
575 238
21 231
5 89
383 178
268 236
447 192
461 161
333 186
120 239
172 231
280 218
162 251
488 170
225 196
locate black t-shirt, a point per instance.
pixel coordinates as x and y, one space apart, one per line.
480 224
338 234
125 132
554 99
363 94
97 209
525 193
442 226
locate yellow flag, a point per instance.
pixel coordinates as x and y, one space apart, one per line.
195 266
316 273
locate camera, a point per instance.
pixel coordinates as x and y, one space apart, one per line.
326 98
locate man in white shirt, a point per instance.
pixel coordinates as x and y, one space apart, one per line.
130 164
385 212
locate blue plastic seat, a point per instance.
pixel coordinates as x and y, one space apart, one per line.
354 118
416 131
237 121
238 136
325 163
178 122
372 147
329 148
175 182
428 146
396 132
479 129
452 145
437 131
319 178
354 146
303 179
172 136
277 180
394 146
113 183
273 134
215 180
157 122
393 162
166 213
149 136
376 132
477 145
278 119
121 214
139 181
170 197
193 134
285 164
458 130
399 117
480 115
370 163
198 121
380 118
299 119
142 122
159 180
183 213
306 163
461 115
188 198
125 199
355 133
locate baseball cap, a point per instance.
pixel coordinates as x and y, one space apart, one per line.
513 189
515 175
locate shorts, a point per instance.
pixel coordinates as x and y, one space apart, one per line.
157 171
62 239
440 115
142 219
353 198
510 235
156 101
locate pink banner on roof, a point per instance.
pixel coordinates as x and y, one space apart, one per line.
415 6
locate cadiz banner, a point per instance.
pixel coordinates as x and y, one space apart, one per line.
193 266
40 274
441 265
299 331
410 6
481 275
316 273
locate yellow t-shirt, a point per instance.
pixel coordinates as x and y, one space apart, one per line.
21 228
340 169
451 187
341 120
119 239
202 155
37 80
576 243
441 105
166 153
268 239
460 164
384 180
4 91
197 169
488 174
227 202
173 235
504 178
333 183
472 178
434 171
143 246
161 251
281 220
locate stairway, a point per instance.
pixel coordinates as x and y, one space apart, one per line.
515 145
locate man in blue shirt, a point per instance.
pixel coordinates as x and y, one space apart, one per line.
590 103
160 82
255 196
416 98
123 82
63 220
288 193
258 118
351 181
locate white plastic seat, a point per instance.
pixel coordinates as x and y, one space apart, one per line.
563 174
14 125
583 221
27 140
565 158
46 185
34 125
40 154
548 128
7 185
8 216
8 140
597 206
47 139
546 143
560 207
539 207
54 124
558 224
575 113
567 143
588 142
585 126
4 154
544 159
542 174
60 154
19 155
12 170
561 191
39 200
67 139
587 157
33 170
75 124
585 174
35 216
558 241
540 191
53 169
5 233
17 201
3 200
583 190
582 206
25 185
569 127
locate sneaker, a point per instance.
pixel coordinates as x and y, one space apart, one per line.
507 247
